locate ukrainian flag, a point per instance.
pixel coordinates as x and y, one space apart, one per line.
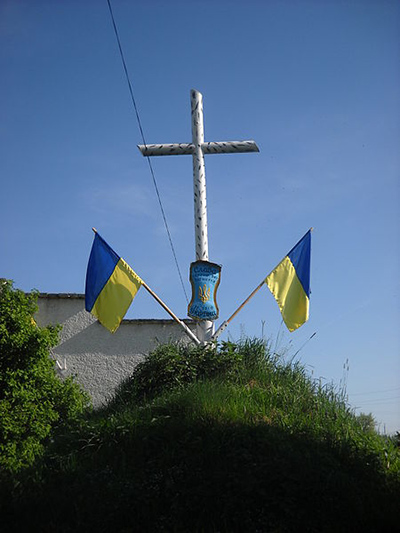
289 282
111 285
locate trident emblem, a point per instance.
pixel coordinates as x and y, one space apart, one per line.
204 293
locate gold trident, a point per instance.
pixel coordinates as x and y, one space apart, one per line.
204 293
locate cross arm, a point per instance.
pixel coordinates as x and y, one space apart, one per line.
166 149
221 147
229 147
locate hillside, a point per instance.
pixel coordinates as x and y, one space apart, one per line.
227 439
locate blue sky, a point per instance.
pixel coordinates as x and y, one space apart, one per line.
315 84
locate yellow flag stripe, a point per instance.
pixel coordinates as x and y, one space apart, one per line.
116 296
289 294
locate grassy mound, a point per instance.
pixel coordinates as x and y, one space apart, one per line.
217 439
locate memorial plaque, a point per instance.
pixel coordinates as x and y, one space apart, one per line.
205 278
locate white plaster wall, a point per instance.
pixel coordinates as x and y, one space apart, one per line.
98 359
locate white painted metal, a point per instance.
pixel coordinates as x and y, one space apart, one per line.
205 328
229 147
222 147
166 149
199 177
198 148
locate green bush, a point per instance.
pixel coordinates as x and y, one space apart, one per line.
177 365
32 397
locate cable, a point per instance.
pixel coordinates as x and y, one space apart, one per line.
374 392
144 142
379 400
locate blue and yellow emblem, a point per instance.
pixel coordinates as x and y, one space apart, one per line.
205 278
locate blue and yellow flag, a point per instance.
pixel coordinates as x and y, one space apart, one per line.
111 285
289 282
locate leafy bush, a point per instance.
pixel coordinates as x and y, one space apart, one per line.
32 397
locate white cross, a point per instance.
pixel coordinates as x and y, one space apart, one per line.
198 148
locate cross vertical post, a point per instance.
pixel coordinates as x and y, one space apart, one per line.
199 177
198 148
205 328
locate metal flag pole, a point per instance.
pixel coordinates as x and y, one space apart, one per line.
182 324
225 324
198 148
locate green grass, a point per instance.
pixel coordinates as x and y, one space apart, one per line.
212 440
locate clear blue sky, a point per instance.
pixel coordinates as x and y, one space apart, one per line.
315 84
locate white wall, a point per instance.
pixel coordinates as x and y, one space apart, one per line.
100 360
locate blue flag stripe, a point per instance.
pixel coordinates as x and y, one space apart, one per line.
299 255
102 262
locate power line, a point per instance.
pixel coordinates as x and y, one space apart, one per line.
379 400
374 392
144 142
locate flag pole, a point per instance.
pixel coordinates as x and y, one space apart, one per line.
225 324
164 306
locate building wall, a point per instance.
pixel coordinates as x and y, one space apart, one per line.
98 359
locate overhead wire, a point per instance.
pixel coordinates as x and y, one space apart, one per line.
374 392
144 142
378 400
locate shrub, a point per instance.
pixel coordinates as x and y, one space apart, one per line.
32 397
176 365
